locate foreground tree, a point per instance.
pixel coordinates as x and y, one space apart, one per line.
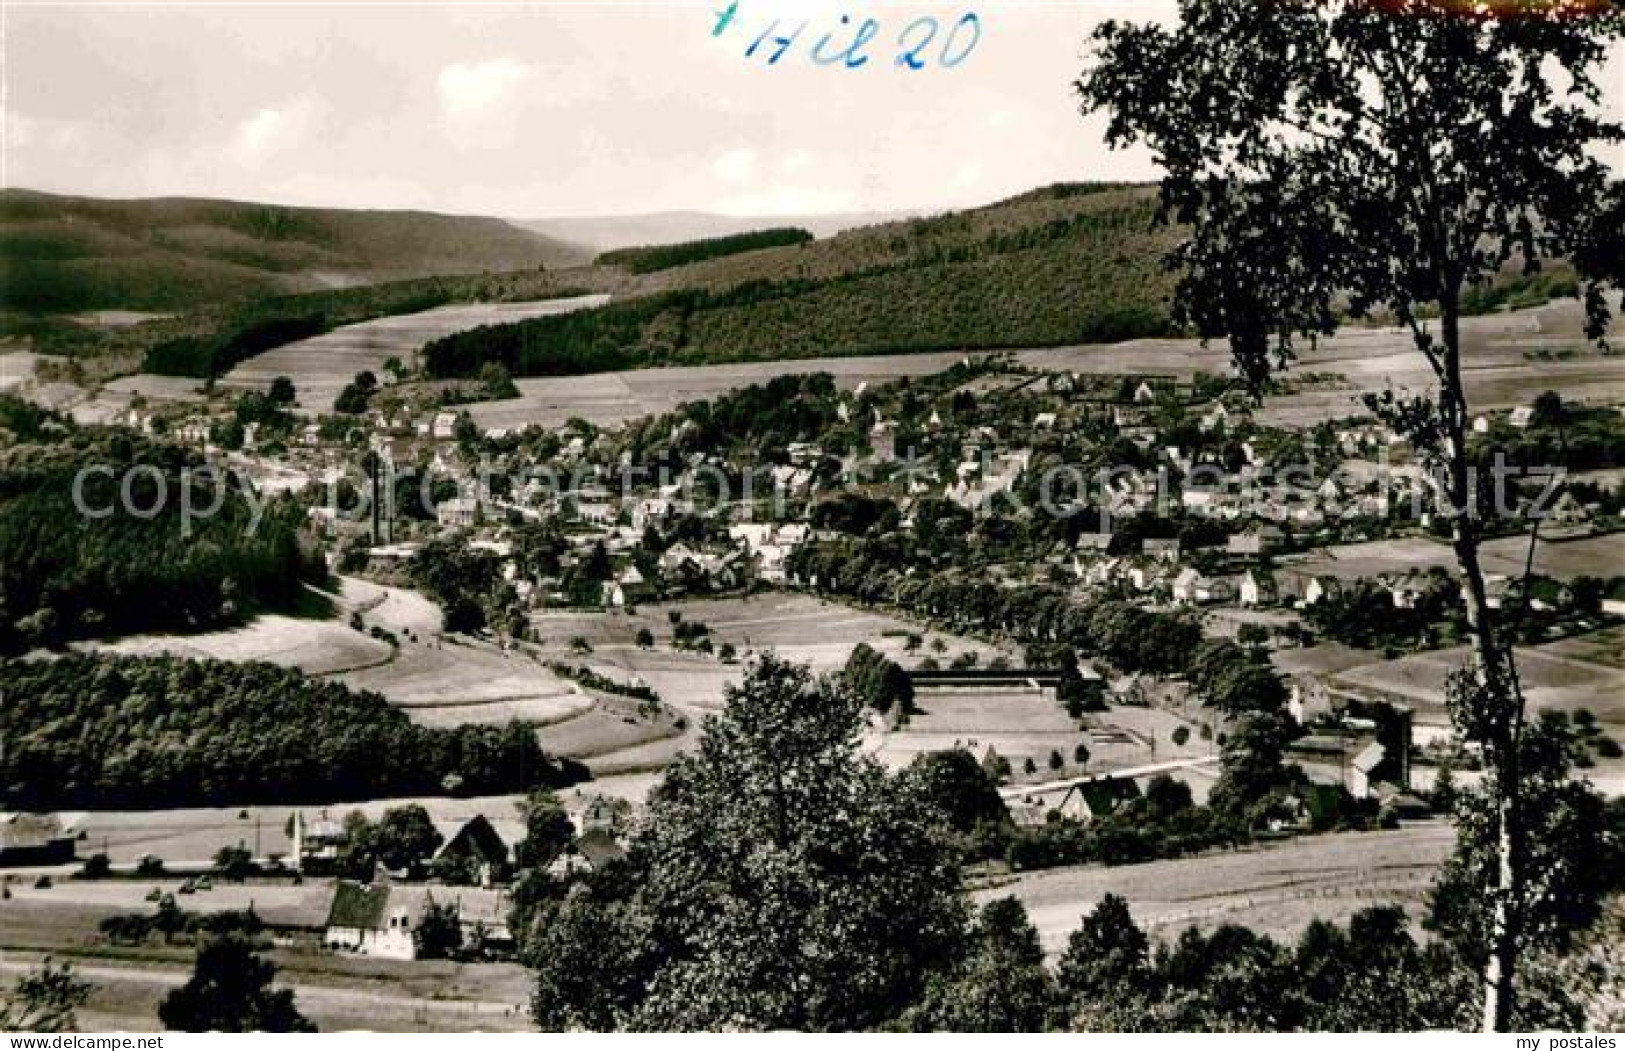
44 1001
781 881
1356 158
230 992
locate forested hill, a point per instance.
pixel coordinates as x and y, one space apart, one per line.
120 731
1065 264
70 254
66 575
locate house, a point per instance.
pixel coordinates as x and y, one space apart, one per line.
1094 799
1340 760
1256 589
1167 550
1522 416
628 586
1187 585
378 919
361 921
34 839
1082 801
460 512
598 848
1566 510
317 845
444 427
654 511
602 814
477 844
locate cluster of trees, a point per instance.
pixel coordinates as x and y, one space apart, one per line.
357 395
1067 279
468 585
171 921
878 681
230 991
1560 434
778 814
1363 614
1129 637
214 354
647 259
1235 679
136 565
207 343
121 732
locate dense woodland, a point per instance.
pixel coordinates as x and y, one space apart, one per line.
69 254
947 283
118 731
649 258
66 575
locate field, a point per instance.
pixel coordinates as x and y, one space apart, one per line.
1275 889
1498 373
322 365
1597 556
1586 672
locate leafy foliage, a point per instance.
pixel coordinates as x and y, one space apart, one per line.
44 1000
647 259
779 882
1043 271
67 575
121 732
230 992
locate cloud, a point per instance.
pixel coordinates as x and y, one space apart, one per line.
795 161
272 130
477 89
481 102
788 200
736 166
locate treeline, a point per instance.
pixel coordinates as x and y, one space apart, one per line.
1129 637
105 566
646 259
209 342
1091 277
121 732
212 355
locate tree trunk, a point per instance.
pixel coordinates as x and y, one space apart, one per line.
1502 959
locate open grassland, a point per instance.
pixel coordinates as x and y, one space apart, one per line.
1018 724
1562 559
1274 889
321 365
1498 373
337 993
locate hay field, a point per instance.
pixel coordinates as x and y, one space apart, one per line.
1274 889
337 993
1597 556
322 365
1497 372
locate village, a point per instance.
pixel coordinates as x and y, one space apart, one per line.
614 580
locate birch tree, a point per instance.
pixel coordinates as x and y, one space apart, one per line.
1383 158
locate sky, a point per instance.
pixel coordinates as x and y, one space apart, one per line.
548 109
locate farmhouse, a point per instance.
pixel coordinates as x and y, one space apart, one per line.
378 919
34 839
475 843
361 921
1346 760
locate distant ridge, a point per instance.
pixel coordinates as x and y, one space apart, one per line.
609 232
62 254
